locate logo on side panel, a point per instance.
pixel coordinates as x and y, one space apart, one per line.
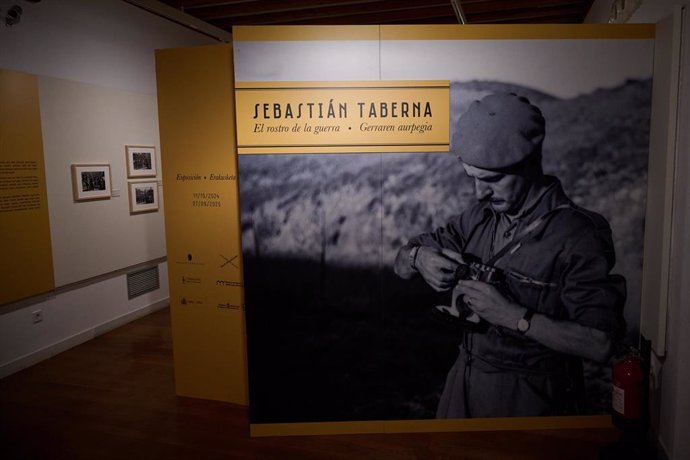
191 301
227 283
230 306
189 259
231 261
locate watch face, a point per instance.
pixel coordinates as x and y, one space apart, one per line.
523 325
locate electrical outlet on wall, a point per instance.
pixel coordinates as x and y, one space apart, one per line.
37 316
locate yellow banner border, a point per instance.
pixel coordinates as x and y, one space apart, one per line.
446 32
354 84
519 32
344 149
304 33
430 426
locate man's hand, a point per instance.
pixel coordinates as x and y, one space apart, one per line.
563 336
437 266
487 301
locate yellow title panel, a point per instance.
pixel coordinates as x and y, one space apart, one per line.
343 117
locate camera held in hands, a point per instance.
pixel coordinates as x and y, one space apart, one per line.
459 313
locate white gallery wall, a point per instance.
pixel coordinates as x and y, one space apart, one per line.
97 86
95 237
108 43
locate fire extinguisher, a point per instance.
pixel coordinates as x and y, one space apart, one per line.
629 406
627 398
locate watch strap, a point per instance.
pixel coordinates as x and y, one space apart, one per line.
413 257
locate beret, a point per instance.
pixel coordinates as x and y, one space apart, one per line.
498 131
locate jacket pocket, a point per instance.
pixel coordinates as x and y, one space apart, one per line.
526 290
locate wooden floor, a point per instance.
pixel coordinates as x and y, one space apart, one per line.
114 398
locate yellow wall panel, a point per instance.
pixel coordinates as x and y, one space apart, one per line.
27 267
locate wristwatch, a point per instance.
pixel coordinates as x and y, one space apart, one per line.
523 323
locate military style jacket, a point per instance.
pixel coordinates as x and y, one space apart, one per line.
562 271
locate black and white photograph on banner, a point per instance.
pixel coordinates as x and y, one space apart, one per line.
532 293
495 280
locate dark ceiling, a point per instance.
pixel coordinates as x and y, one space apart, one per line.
226 13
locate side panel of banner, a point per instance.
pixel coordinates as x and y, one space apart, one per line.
197 120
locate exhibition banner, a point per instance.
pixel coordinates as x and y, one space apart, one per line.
196 116
27 269
321 117
360 265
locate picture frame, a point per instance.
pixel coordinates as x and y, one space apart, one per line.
91 182
143 196
141 161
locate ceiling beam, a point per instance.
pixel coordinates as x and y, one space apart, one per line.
557 15
505 7
189 4
320 7
226 13
183 19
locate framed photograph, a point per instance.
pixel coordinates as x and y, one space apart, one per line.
91 182
143 196
141 161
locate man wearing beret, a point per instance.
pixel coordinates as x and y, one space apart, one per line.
557 303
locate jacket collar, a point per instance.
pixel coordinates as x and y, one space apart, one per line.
539 201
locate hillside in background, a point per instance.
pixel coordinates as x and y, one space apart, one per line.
359 209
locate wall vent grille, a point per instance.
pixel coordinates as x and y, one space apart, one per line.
142 281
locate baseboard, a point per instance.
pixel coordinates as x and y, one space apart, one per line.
77 339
